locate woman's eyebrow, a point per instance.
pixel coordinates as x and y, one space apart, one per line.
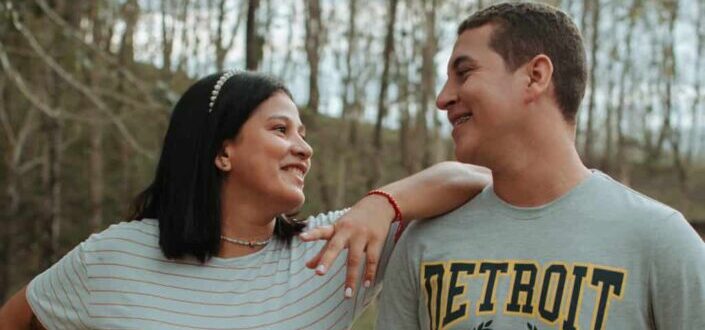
302 127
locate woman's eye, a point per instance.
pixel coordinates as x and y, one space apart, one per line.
281 129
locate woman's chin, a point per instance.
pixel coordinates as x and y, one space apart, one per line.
293 200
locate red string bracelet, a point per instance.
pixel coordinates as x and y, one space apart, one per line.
391 200
397 212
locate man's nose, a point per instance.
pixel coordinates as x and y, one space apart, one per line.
447 97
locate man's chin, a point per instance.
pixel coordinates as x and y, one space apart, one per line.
465 156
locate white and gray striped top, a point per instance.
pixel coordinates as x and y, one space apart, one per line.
119 279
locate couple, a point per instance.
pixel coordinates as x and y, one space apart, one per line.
550 244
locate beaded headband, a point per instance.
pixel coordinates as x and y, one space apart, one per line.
218 85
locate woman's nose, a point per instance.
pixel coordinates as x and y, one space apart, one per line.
302 149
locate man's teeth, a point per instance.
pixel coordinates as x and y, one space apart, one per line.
462 119
295 169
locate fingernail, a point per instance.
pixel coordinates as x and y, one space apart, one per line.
348 292
367 283
321 269
304 235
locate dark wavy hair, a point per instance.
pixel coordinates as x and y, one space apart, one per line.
185 193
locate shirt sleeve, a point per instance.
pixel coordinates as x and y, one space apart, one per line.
398 305
324 219
677 276
59 297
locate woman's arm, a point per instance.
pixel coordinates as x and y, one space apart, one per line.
434 191
16 313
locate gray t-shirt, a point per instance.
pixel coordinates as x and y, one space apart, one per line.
601 257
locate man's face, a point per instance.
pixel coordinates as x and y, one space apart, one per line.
482 98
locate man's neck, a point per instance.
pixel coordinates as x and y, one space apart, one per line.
538 174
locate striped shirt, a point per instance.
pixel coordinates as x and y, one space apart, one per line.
119 279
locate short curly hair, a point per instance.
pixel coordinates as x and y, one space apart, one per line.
524 30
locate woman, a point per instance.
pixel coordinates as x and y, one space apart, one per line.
213 249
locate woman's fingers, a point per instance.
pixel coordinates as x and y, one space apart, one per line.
356 252
374 250
321 232
330 252
313 262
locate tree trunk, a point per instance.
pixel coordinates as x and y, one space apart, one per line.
50 228
96 182
53 131
588 149
696 109
11 207
286 63
384 80
314 38
406 135
622 160
382 98
432 139
344 150
167 36
668 74
223 46
126 50
606 163
253 52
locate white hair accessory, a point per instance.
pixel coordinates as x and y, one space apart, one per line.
218 85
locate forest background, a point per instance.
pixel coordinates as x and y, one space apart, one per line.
86 89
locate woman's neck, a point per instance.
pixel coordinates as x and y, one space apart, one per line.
245 220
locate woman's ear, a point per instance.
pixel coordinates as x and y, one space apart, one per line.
222 159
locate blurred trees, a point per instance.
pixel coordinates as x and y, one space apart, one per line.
86 88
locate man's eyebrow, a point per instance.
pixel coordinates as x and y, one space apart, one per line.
461 60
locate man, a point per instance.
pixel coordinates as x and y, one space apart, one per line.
551 244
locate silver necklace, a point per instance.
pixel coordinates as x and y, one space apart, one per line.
245 243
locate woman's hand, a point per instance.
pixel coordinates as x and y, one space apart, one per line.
363 231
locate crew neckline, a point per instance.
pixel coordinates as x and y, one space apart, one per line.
535 212
231 261
249 258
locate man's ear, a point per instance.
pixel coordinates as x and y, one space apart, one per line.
539 70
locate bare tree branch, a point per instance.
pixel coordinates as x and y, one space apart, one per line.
85 90
22 87
142 87
5 118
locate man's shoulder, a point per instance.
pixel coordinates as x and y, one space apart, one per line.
614 196
453 221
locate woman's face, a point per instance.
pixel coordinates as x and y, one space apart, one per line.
269 158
